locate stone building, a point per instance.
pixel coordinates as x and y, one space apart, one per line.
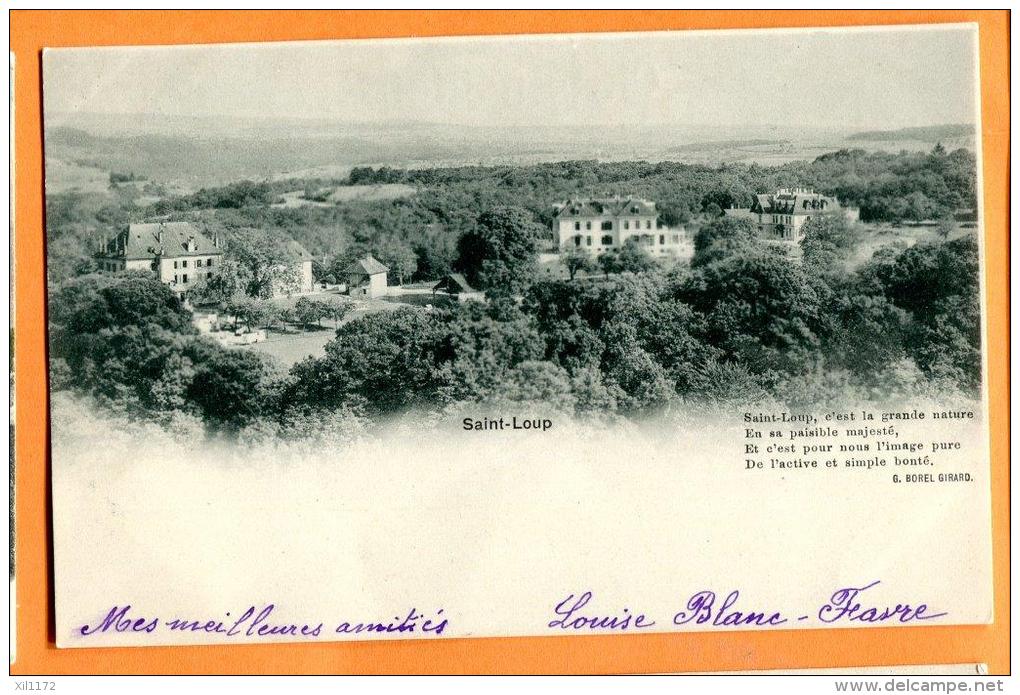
780 216
177 252
366 277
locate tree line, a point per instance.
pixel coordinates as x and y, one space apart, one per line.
744 322
418 236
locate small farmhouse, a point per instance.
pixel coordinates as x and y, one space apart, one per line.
600 225
366 277
456 285
781 215
177 252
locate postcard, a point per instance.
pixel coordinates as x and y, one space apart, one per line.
517 336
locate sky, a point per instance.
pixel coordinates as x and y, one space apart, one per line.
874 78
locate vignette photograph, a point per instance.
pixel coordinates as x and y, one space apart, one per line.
517 336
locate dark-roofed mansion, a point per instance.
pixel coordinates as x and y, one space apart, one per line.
181 255
780 216
177 252
600 225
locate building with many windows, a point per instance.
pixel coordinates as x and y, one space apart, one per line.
600 225
780 216
177 252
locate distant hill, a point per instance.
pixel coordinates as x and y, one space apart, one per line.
932 133
69 137
728 144
191 161
186 153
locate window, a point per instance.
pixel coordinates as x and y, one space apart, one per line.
662 238
577 240
208 275
648 224
208 262
607 240
626 224
185 278
676 238
198 263
577 226
607 226
587 225
184 264
588 240
176 279
175 265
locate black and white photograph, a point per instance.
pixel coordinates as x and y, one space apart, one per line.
419 338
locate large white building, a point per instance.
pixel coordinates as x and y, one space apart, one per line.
600 225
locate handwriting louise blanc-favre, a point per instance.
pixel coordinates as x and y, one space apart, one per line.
845 605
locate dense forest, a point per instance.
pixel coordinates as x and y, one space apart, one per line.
742 323
417 235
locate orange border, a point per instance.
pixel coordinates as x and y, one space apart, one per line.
30 30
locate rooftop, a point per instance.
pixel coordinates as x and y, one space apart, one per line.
365 266
601 207
298 250
794 201
454 283
146 240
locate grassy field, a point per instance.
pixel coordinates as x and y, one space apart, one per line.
63 176
879 235
293 199
381 191
343 194
292 346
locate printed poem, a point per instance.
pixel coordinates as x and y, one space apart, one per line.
913 446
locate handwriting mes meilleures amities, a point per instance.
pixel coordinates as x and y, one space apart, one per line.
259 622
